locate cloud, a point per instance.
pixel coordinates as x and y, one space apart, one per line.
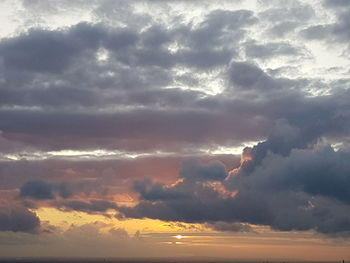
18 219
336 32
47 51
270 50
62 196
283 28
336 3
230 227
92 206
281 183
192 170
135 100
42 190
37 190
292 11
136 77
317 32
249 76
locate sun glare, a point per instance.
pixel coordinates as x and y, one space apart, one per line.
180 236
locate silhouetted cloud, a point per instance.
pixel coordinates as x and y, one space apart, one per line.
18 219
230 227
92 206
42 190
37 190
283 182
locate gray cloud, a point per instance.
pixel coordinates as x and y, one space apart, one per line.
18 219
48 51
37 190
292 11
282 182
270 50
317 32
336 3
283 28
286 193
174 118
42 190
336 32
92 206
230 227
138 67
249 76
127 98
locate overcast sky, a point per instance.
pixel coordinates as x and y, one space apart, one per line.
175 129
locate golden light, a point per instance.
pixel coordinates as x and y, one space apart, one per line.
180 237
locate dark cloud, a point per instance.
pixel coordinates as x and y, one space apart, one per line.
286 193
88 177
149 190
192 170
137 67
249 76
308 171
92 206
283 182
37 190
230 227
170 119
302 180
18 219
119 130
38 51
42 190
48 51
212 32
54 51
76 107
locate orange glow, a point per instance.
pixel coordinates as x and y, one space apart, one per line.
218 187
245 157
180 180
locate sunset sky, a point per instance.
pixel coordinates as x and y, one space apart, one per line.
175 129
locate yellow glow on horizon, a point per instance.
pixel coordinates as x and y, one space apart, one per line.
262 242
64 219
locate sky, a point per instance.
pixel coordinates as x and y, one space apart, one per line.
175 129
